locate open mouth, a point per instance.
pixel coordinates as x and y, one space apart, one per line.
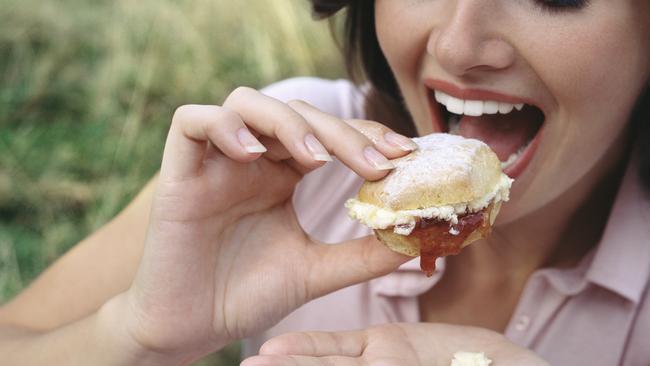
510 129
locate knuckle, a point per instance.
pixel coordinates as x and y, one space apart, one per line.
240 92
244 90
373 126
227 114
212 129
297 103
211 117
294 124
288 122
282 128
370 129
183 112
343 129
373 135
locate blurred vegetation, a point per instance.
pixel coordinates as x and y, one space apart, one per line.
87 89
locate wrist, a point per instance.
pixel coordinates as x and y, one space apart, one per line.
114 323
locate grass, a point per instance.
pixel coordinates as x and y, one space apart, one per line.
87 89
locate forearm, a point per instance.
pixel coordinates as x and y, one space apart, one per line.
98 339
91 273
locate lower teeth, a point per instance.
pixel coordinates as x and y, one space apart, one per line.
513 157
454 124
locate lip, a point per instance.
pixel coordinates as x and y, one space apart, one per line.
526 156
475 94
518 167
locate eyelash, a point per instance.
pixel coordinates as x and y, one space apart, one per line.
561 5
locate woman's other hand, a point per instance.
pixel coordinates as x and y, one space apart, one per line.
392 344
224 255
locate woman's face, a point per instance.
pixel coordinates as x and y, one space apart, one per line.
577 67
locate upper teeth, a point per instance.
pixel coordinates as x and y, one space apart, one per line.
474 107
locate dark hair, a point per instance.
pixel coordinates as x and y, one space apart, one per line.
365 61
641 128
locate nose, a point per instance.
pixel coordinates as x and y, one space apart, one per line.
469 41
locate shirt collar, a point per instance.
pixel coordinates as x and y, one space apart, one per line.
620 263
622 260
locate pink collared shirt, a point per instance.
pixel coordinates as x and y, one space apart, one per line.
595 314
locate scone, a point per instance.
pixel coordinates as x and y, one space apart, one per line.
438 199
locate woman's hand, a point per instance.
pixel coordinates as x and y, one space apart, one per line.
225 255
392 344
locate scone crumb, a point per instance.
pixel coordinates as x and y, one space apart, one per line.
463 358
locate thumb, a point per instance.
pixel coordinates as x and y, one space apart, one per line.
355 261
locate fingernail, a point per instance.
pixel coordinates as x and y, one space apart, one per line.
402 142
249 142
376 159
316 149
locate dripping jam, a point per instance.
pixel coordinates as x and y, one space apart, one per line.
436 238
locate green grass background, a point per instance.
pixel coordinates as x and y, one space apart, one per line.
87 90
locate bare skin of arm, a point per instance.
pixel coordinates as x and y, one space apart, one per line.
182 270
93 271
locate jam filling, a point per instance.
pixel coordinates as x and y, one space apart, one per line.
439 238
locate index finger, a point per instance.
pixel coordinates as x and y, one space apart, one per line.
352 147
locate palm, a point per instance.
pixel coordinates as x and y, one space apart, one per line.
262 267
392 345
420 344
265 277
237 249
412 344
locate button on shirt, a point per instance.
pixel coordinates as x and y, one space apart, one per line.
597 313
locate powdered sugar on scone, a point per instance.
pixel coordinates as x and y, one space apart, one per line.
443 162
453 152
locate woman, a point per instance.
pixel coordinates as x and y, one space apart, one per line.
558 273
225 255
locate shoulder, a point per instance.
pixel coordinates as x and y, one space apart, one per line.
341 97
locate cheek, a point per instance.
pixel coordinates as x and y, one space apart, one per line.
403 32
594 68
594 73
598 78
399 34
